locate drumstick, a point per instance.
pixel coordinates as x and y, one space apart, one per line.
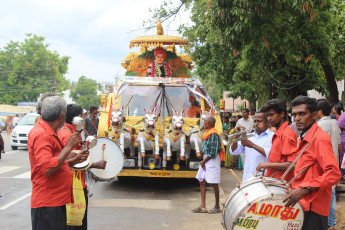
103 148
236 177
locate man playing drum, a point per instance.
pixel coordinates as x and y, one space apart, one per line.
256 148
74 110
209 170
316 170
284 141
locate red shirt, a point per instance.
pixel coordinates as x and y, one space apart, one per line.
323 171
284 146
63 135
44 147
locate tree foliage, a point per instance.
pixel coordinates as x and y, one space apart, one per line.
26 70
84 92
266 49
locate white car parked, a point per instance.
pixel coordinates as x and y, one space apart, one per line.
19 136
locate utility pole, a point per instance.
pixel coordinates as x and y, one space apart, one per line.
53 76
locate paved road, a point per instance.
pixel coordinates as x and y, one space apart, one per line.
139 203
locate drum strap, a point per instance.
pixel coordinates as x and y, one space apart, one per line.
298 174
292 165
275 173
93 123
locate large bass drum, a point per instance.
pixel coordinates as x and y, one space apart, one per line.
258 204
111 153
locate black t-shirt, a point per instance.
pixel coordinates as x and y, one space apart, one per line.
91 125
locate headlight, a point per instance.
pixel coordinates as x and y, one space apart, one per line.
14 134
150 160
129 163
194 164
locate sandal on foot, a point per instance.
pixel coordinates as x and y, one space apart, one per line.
199 210
214 210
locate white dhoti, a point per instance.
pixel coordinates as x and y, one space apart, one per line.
212 173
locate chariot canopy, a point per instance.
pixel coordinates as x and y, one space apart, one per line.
137 63
158 40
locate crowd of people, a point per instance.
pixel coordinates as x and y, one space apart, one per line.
306 154
314 140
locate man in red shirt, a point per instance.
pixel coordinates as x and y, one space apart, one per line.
316 170
50 173
74 110
284 141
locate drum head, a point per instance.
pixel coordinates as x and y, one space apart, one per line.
258 204
112 155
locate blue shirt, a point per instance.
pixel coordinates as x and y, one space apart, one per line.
252 157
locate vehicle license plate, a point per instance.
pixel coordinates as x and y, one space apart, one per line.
159 174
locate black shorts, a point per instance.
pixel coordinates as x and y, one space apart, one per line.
52 218
314 221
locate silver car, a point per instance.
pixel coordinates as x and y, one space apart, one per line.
19 136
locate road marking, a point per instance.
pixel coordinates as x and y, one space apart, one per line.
5 169
130 203
15 201
26 175
11 152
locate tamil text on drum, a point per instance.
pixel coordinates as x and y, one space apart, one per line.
258 204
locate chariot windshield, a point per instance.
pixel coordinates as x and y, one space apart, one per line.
177 98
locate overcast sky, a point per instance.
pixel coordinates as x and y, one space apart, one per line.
94 33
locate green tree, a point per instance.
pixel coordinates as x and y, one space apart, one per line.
213 90
84 92
27 69
266 49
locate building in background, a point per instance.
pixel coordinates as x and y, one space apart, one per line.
340 86
234 104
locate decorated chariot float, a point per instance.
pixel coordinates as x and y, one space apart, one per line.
152 122
152 126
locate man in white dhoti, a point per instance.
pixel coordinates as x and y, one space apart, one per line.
209 170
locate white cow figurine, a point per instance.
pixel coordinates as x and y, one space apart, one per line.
147 138
121 135
175 139
196 134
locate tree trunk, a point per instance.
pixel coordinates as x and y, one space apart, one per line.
331 83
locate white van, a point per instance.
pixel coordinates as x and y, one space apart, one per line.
19 136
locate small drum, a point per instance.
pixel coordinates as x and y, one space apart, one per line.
258 204
83 165
110 152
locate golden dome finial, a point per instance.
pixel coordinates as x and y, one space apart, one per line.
159 27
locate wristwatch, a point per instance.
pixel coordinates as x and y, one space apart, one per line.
309 190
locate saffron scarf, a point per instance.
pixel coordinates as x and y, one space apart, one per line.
207 134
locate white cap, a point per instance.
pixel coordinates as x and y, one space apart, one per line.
84 111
